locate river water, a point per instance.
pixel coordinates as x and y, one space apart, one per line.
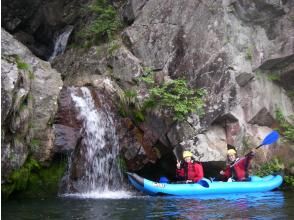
129 205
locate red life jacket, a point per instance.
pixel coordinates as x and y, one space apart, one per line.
239 169
190 171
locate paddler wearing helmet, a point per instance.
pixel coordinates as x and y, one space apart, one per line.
237 168
189 170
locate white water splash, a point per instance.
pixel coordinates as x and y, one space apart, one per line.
102 195
101 144
61 42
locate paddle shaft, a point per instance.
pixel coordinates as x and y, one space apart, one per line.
259 146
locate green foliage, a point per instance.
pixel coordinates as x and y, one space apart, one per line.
270 167
21 64
130 106
21 176
47 179
148 77
174 96
130 94
286 129
18 180
177 98
130 99
105 25
121 164
24 66
112 47
139 116
34 144
274 77
32 180
289 181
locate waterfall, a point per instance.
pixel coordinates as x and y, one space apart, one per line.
61 42
100 147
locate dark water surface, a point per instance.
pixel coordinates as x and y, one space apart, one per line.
269 205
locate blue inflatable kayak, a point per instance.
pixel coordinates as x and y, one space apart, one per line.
205 186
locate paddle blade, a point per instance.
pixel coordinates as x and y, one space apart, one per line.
270 138
204 182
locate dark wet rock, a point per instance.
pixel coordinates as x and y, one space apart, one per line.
66 138
36 23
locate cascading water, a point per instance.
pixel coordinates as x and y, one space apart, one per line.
100 148
61 42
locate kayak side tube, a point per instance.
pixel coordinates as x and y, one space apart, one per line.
205 187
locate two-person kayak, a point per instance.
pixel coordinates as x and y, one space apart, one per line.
205 186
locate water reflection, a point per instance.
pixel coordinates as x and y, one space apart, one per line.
234 206
269 205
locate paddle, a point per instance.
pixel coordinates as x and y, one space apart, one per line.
269 139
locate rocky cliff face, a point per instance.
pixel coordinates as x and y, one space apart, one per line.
29 91
231 48
37 24
240 51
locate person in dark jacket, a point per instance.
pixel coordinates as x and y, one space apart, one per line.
237 168
189 170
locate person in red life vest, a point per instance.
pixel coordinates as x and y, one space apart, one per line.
189 170
237 168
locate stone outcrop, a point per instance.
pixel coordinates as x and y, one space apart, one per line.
240 51
221 46
37 24
29 92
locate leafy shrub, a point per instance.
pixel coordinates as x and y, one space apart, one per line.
105 25
175 96
270 167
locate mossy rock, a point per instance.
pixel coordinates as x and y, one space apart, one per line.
32 180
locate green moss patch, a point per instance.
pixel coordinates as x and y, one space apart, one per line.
33 180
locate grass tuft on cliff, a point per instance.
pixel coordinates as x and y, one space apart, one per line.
105 25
